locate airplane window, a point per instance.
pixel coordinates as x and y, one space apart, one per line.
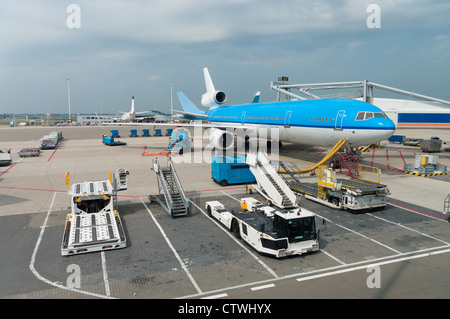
380 115
360 116
369 115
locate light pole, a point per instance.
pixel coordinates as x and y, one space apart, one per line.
68 100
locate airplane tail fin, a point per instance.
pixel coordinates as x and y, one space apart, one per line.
256 98
132 104
211 98
188 106
208 81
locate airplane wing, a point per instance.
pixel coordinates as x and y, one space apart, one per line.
192 116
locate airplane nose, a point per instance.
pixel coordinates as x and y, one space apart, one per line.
390 127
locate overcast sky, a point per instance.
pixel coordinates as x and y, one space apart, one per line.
124 48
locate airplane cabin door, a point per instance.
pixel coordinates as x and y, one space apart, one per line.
243 118
287 119
339 118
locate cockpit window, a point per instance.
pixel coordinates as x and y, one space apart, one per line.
368 115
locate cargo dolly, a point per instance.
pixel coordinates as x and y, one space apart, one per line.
94 223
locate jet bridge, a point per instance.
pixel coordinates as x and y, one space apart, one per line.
171 194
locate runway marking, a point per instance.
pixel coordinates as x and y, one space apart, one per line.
11 166
415 211
35 251
331 273
262 287
183 265
239 243
216 296
410 229
105 274
339 269
364 236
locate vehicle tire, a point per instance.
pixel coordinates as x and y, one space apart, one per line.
208 210
223 183
235 229
335 201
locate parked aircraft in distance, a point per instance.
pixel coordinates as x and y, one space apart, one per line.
131 115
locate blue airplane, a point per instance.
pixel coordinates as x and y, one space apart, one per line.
321 122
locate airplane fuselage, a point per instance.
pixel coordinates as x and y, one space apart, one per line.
128 117
310 122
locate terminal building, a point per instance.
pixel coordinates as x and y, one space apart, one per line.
94 119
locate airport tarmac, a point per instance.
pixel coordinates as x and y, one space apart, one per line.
195 257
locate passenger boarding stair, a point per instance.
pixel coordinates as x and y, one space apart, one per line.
171 194
269 183
350 162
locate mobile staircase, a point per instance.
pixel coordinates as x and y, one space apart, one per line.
349 160
269 183
171 194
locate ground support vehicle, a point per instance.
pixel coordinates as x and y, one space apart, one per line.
447 207
179 141
342 193
276 232
171 193
227 170
111 141
94 223
5 158
29 152
51 140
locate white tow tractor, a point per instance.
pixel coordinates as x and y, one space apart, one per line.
276 232
94 223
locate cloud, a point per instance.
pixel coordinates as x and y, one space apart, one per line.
126 47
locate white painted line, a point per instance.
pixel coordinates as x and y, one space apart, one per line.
359 234
410 229
216 296
332 257
262 287
331 273
239 243
35 251
335 269
183 265
105 274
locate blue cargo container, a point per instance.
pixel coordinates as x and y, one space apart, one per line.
397 139
133 133
231 170
115 133
145 132
158 132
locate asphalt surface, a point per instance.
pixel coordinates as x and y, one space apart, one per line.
194 257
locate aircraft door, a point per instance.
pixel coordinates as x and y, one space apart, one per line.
243 118
287 119
339 118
